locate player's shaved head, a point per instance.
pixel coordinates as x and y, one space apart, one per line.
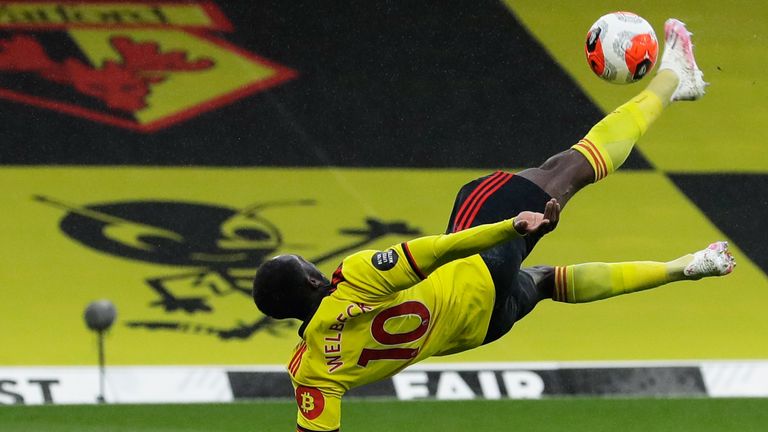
284 286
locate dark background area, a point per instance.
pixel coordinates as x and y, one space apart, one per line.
735 203
388 84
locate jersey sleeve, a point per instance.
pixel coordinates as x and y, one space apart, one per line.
402 266
318 409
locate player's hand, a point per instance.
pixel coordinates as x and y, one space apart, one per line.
529 222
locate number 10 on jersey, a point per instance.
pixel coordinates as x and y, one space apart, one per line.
382 336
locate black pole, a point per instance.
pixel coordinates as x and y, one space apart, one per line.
102 368
99 316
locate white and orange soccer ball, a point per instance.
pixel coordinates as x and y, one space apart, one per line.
621 47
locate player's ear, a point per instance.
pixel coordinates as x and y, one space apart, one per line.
315 283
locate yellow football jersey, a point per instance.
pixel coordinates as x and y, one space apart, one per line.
386 314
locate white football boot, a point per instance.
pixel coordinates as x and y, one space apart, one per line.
715 260
678 56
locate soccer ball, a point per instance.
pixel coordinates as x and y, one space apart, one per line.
621 47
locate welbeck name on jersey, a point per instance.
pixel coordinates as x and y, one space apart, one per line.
332 345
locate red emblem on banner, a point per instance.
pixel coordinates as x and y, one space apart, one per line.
138 64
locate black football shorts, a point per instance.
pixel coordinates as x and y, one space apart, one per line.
491 199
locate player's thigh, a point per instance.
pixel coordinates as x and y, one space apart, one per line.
562 175
466 192
515 298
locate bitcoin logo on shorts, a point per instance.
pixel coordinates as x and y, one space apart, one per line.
307 402
310 402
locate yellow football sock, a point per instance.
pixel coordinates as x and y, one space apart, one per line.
608 143
588 282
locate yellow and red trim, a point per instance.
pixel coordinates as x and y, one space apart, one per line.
594 157
561 284
293 366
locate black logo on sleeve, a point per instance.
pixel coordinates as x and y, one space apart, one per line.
384 260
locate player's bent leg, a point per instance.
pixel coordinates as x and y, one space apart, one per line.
588 282
607 145
609 142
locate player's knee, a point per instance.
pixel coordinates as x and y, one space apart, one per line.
543 279
540 273
562 175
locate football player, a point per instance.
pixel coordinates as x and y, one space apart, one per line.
382 311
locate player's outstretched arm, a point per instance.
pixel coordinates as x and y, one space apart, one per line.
429 253
382 273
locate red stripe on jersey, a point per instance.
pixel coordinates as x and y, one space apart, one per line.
298 360
411 261
337 278
295 353
481 199
296 357
460 214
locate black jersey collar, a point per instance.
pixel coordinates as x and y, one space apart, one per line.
309 317
304 324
